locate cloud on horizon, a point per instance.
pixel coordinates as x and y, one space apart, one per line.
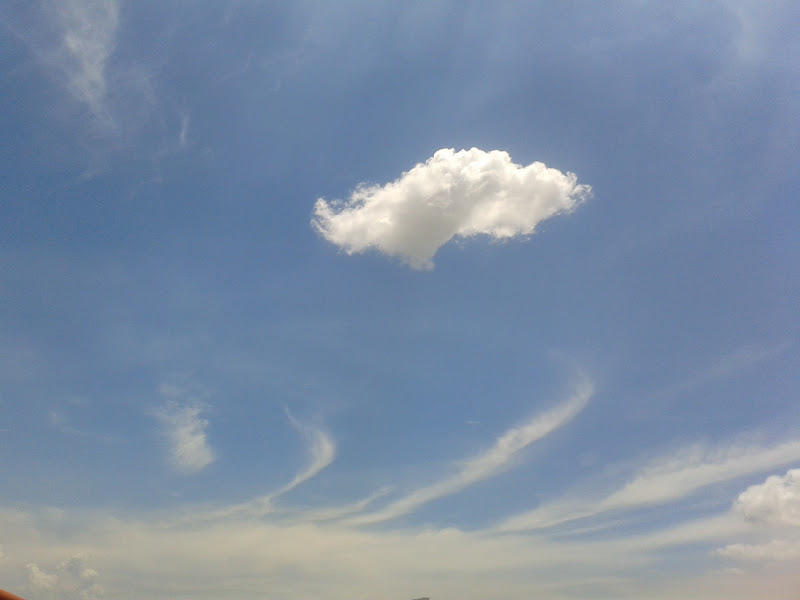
453 194
72 580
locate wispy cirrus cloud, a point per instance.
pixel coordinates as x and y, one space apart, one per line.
453 194
185 431
666 480
491 462
89 30
321 451
698 467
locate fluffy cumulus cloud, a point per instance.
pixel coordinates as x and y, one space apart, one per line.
72 579
775 506
185 431
453 194
777 500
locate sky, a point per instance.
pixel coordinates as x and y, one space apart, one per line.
368 300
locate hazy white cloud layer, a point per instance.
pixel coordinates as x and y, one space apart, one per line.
453 194
776 501
185 431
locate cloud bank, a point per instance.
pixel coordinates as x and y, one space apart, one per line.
185 431
453 194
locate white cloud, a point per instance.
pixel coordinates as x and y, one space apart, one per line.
72 580
776 501
243 559
321 450
698 467
40 580
185 431
89 32
491 462
453 194
664 481
773 550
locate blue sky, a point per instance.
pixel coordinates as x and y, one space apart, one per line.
351 299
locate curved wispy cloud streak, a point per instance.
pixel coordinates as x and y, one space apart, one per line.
489 463
453 194
665 481
322 451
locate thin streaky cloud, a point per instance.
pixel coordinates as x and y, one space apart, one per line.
664 481
492 462
725 366
322 451
319 515
698 468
